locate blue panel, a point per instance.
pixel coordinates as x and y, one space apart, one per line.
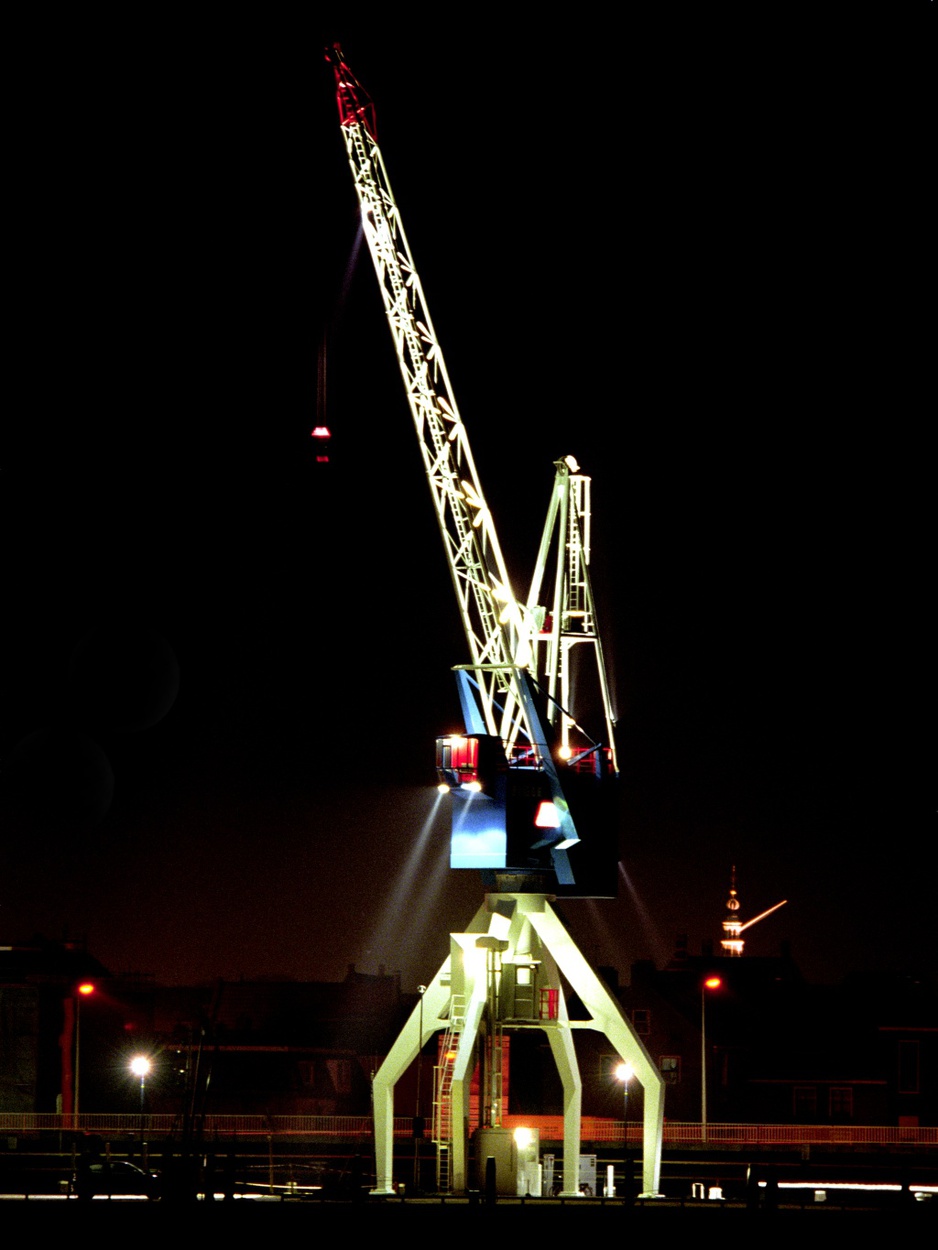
479 838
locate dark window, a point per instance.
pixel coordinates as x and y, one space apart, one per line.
670 1068
641 1018
841 1102
340 1071
805 1104
908 1068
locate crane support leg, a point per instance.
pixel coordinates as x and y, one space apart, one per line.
524 927
606 1016
561 1047
399 1058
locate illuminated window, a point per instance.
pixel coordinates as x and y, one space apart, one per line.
841 1102
641 1018
670 1068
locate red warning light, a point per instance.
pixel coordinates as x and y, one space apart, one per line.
322 434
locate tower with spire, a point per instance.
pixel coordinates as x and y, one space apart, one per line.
732 943
732 940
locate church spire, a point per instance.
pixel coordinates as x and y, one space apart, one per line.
732 943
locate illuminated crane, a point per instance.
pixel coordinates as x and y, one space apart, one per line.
529 829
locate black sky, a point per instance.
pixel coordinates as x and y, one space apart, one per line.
694 259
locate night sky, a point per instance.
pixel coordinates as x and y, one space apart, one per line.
695 259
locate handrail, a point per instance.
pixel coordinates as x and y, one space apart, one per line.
593 1129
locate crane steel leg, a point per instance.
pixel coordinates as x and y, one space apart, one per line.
526 928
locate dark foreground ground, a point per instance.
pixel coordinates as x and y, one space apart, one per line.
663 1223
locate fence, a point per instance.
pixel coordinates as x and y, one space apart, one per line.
359 1128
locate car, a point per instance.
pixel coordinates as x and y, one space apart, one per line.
115 1177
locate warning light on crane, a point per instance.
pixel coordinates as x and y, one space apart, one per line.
547 816
322 435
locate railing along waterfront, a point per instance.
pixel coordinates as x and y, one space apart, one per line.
359 1128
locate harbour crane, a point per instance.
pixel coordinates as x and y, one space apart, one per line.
531 792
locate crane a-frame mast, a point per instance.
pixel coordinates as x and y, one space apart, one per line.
569 623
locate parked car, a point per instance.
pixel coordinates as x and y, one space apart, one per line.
116 1178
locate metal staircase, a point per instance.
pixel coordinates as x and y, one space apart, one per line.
443 1093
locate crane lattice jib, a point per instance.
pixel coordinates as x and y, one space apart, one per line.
493 621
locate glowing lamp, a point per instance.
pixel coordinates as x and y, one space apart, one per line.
322 435
713 983
86 988
547 816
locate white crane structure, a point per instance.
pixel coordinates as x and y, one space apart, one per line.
528 752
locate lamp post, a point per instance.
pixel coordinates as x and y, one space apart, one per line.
84 990
418 1120
709 983
624 1073
140 1066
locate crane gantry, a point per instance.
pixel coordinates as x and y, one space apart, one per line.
530 788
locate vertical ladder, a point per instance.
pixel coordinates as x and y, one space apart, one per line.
495 1043
443 1093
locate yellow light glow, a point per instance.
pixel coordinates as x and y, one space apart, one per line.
140 1065
442 788
523 1137
713 983
86 988
624 1072
474 787
565 753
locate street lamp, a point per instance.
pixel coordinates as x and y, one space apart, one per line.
140 1066
418 1119
709 983
624 1073
84 990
